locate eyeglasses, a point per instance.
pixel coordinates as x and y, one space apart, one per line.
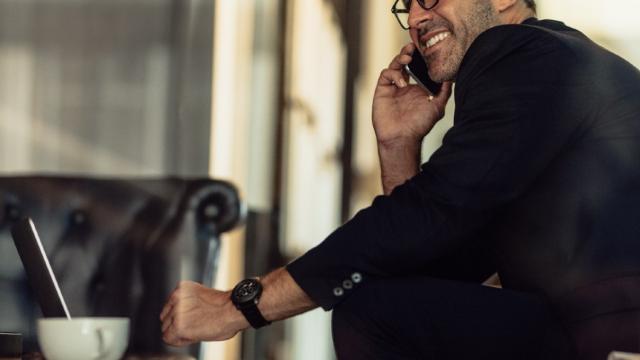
401 10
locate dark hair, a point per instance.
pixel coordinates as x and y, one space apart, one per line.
531 4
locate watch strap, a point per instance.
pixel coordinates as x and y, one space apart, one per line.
254 317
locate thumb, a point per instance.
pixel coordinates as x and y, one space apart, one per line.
445 94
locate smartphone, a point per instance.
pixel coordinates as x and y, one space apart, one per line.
418 70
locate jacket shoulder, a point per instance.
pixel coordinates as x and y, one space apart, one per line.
517 42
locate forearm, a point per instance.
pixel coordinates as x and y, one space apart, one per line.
281 297
399 161
197 313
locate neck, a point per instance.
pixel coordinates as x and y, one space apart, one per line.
516 14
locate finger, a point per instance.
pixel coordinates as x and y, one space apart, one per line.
403 58
183 342
400 61
173 338
166 310
169 338
167 324
392 77
187 284
172 296
408 49
170 335
171 302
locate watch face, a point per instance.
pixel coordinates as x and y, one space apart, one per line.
246 291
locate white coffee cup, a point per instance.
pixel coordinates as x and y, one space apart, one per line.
86 338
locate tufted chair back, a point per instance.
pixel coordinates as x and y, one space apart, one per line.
117 246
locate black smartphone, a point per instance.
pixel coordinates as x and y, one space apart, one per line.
418 70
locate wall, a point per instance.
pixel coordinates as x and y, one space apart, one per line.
105 87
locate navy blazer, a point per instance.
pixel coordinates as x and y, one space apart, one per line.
538 179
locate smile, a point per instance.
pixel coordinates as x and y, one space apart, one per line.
436 39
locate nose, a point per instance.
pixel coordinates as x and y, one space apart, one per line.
418 15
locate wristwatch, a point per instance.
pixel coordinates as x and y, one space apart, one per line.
246 296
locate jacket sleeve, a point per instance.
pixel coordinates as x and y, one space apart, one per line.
506 131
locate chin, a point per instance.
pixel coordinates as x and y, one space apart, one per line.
438 74
444 65
441 72
436 77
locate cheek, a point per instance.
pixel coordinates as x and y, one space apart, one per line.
414 36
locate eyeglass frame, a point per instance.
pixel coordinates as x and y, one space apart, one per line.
395 11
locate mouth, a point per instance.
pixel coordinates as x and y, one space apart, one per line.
432 39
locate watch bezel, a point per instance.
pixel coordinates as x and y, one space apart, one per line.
241 300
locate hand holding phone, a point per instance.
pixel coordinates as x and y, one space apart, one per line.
418 70
403 112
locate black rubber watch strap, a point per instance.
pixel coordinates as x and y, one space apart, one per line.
254 317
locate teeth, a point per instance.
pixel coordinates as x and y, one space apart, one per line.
436 39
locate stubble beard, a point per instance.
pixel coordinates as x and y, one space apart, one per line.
445 64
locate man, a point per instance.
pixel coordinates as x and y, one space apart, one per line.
538 180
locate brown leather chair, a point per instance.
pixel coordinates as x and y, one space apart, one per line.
117 246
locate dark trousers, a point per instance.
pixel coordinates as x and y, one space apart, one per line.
438 319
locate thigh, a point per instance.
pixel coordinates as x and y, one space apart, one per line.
597 336
418 318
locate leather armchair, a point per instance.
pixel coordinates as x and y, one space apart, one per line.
117 246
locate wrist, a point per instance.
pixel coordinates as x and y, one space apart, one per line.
399 161
246 296
400 143
236 319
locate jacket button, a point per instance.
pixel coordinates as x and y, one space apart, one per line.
356 277
338 291
347 284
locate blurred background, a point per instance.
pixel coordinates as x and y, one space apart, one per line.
272 95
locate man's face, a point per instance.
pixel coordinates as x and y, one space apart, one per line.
445 33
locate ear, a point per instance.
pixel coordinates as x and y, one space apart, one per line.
504 5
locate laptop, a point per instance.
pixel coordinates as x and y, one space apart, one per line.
39 273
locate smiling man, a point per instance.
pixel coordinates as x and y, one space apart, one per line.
538 180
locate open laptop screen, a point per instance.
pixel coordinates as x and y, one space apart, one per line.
39 273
